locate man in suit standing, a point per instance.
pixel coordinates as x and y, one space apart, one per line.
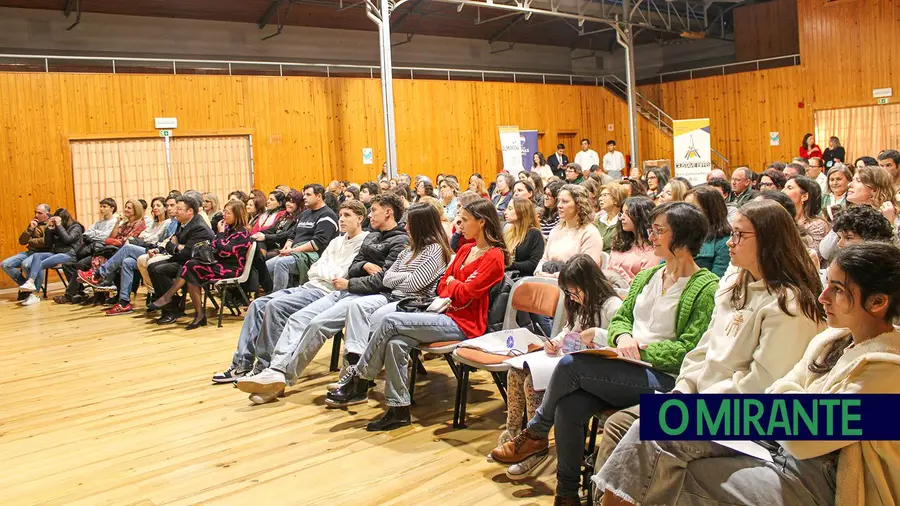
191 230
558 161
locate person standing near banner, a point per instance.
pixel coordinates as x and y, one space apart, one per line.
587 157
558 161
613 161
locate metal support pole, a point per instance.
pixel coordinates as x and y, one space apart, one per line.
626 40
387 85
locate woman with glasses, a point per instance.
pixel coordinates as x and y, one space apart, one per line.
656 181
667 311
632 250
766 315
772 180
611 199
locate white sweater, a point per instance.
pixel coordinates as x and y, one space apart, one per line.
334 262
868 471
745 351
607 312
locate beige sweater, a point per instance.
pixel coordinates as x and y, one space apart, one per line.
745 350
868 471
565 242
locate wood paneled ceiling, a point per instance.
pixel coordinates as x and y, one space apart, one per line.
418 17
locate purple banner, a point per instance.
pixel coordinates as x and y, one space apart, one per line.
529 140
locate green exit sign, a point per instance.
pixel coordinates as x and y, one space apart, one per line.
883 101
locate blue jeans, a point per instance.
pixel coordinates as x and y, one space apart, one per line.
12 265
125 260
580 387
393 339
41 261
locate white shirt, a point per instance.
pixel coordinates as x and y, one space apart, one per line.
587 159
822 179
614 164
335 261
654 312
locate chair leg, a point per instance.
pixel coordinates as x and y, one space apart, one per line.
61 277
336 351
415 355
500 380
420 368
46 281
587 463
453 367
459 421
222 295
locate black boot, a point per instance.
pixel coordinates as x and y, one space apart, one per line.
355 391
395 418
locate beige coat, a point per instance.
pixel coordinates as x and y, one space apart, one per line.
868 471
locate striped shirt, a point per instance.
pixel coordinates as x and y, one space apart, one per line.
416 277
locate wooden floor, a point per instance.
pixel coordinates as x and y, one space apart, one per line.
118 410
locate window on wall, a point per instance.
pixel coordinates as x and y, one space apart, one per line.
863 131
145 168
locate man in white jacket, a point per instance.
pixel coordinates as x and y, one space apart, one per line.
262 325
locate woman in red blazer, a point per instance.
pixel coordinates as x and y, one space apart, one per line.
809 148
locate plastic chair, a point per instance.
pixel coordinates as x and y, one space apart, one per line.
536 295
605 259
58 269
226 286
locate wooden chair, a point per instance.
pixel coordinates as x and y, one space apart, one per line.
231 287
58 269
535 295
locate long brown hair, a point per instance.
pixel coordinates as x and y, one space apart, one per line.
583 206
783 261
425 229
240 214
484 210
526 219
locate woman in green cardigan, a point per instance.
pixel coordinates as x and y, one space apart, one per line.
667 311
714 253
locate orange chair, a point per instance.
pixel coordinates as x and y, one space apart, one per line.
535 295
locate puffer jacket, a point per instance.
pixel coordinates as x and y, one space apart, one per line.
65 240
381 249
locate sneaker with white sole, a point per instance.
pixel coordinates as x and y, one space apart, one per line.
530 467
31 300
265 382
230 375
28 286
505 437
346 374
266 398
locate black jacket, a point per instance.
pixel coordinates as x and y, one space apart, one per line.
528 254
554 163
63 240
381 249
278 234
188 235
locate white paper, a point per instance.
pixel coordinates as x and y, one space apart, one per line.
540 364
750 448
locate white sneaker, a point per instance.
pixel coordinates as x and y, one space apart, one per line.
31 300
265 382
530 467
28 286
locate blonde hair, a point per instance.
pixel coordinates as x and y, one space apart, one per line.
582 204
679 189
480 186
435 203
526 219
881 183
467 197
211 197
617 192
137 207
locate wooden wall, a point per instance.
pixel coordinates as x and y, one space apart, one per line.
766 30
304 129
848 48
743 108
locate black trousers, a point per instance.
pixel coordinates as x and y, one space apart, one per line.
71 272
163 274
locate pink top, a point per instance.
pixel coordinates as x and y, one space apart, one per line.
630 263
566 242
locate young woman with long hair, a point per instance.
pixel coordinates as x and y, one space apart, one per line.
673 191
467 283
268 215
858 354
612 197
591 303
550 214
631 250
477 185
272 239
667 311
807 197
714 252
523 236
538 182
809 148
230 249
766 315
656 181
834 153
539 166
448 191
575 232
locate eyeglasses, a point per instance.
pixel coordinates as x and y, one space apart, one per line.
656 231
767 185
572 294
738 236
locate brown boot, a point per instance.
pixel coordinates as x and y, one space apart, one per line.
519 448
566 500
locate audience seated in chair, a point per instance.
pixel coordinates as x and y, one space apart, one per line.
191 230
93 238
666 312
63 236
18 266
229 252
315 228
859 353
575 232
265 319
766 315
714 252
467 283
272 240
523 237
632 250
